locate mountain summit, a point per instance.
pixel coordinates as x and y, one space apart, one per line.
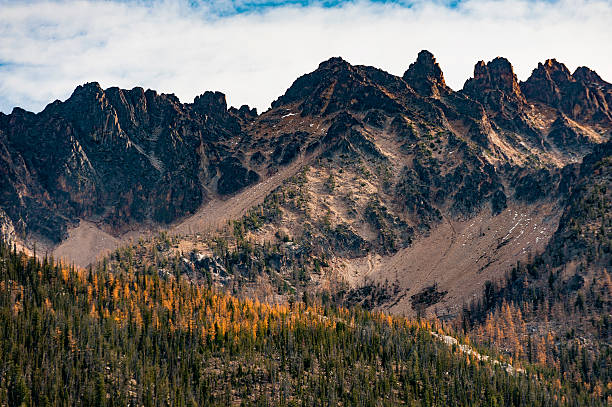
583 96
425 76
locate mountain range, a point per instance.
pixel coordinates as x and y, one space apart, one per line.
397 182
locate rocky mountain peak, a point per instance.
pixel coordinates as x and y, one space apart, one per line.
543 84
424 75
334 63
311 85
497 75
584 96
336 85
87 90
587 75
210 102
557 71
552 66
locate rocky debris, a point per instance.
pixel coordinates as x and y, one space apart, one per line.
212 264
209 267
468 350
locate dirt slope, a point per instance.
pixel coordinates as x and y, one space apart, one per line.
459 257
86 243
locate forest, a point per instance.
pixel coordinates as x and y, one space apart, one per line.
105 337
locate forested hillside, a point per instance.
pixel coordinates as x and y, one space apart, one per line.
140 337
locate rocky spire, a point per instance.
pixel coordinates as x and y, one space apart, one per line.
425 76
498 75
210 102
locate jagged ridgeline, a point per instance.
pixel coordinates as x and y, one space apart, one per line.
118 158
108 336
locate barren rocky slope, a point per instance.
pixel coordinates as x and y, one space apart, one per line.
412 194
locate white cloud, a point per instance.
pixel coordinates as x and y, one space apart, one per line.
48 48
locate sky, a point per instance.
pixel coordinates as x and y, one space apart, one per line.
252 50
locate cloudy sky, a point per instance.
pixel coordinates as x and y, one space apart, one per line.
252 50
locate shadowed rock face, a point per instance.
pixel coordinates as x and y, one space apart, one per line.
119 157
588 76
583 96
544 83
425 75
497 75
126 158
496 87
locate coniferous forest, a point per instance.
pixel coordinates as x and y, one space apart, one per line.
101 338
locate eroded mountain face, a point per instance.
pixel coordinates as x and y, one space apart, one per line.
119 158
390 179
418 194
